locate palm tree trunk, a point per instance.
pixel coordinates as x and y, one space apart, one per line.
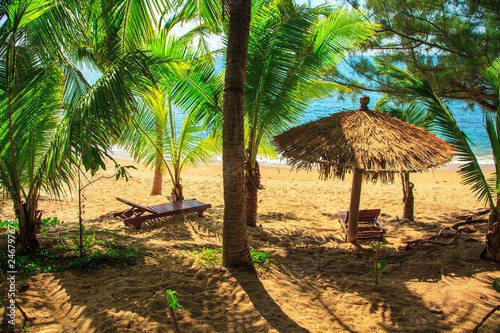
24 212
408 199
158 178
177 194
493 237
29 219
252 185
235 239
157 181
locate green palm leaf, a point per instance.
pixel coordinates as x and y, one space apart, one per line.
414 113
471 172
284 67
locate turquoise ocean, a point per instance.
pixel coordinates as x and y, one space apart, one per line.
471 119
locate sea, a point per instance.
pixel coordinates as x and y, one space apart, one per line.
469 117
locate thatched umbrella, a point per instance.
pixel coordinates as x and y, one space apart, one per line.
371 144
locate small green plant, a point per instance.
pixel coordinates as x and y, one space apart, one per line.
52 221
173 304
379 264
63 257
261 259
7 223
49 222
209 257
45 222
496 285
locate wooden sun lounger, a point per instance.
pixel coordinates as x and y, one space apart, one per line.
138 214
368 225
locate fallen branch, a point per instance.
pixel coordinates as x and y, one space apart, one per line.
469 217
459 224
431 240
323 265
485 318
450 228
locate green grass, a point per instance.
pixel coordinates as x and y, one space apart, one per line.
64 256
6 224
212 258
46 222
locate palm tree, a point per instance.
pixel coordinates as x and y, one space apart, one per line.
414 113
31 95
157 133
234 238
158 137
52 120
471 172
290 47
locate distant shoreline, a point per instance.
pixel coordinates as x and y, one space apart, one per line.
452 166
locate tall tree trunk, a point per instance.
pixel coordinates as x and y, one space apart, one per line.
493 237
158 179
235 239
252 185
408 199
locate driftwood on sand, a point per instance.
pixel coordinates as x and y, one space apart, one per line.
468 220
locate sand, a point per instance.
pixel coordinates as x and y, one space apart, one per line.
316 281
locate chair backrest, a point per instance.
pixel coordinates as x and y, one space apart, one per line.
367 215
133 204
364 215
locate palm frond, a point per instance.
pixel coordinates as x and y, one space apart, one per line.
414 113
285 66
446 125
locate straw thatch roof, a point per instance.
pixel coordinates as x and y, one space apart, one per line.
371 141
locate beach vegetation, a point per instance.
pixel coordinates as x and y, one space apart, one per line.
120 172
486 190
29 118
211 258
283 77
173 304
45 222
444 41
65 256
155 136
379 264
52 121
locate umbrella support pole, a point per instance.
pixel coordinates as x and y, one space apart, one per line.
352 231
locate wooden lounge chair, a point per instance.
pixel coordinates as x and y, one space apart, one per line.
138 214
368 225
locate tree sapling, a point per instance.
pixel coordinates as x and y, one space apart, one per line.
173 304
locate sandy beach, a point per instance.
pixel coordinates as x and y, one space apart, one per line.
316 282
